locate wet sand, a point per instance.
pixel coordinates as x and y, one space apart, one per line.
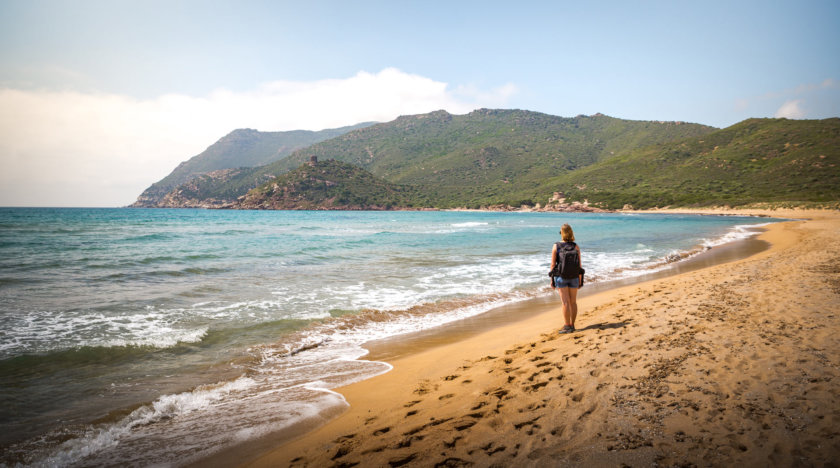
393 348
731 363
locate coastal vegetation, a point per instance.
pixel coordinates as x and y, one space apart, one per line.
487 156
513 158
329 185
777 161
242 148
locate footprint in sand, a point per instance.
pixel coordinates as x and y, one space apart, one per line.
408 441
463 425
490 450
452 462
530 422
452 443
341 452
499 393
344 438
479 405
375 450
395 462
535 387
535 406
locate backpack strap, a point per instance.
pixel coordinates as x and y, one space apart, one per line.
557 247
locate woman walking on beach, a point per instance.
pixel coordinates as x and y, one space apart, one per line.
567 270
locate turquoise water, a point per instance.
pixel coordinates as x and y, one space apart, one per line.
153 336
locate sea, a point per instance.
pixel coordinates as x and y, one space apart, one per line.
156 337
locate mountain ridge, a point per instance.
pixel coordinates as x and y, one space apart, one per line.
241 148
510 158
469 160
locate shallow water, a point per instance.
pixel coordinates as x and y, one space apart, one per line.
156 336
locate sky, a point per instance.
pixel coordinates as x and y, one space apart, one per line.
99 99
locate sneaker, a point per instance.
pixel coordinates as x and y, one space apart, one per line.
567 329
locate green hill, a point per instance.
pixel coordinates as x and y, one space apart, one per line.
513 157
216 189
478 159
331 185
486 156
238 149
758 160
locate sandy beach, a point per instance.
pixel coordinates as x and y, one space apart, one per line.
736 363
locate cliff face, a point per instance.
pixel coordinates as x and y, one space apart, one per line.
147 199
190 194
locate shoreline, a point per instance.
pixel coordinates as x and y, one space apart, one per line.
508 315
638 383
538 311
388 350
575 207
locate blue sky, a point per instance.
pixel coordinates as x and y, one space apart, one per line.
119 86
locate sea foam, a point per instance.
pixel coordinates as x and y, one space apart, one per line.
386 273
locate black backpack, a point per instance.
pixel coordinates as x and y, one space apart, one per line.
567 264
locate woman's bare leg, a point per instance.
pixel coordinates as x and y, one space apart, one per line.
572 304
565 296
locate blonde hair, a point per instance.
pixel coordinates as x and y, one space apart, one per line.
566 233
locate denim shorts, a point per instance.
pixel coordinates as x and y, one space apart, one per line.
566 283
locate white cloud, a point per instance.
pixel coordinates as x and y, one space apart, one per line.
791 110
86 149
813 100
830 83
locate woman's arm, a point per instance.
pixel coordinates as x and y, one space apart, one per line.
553 257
